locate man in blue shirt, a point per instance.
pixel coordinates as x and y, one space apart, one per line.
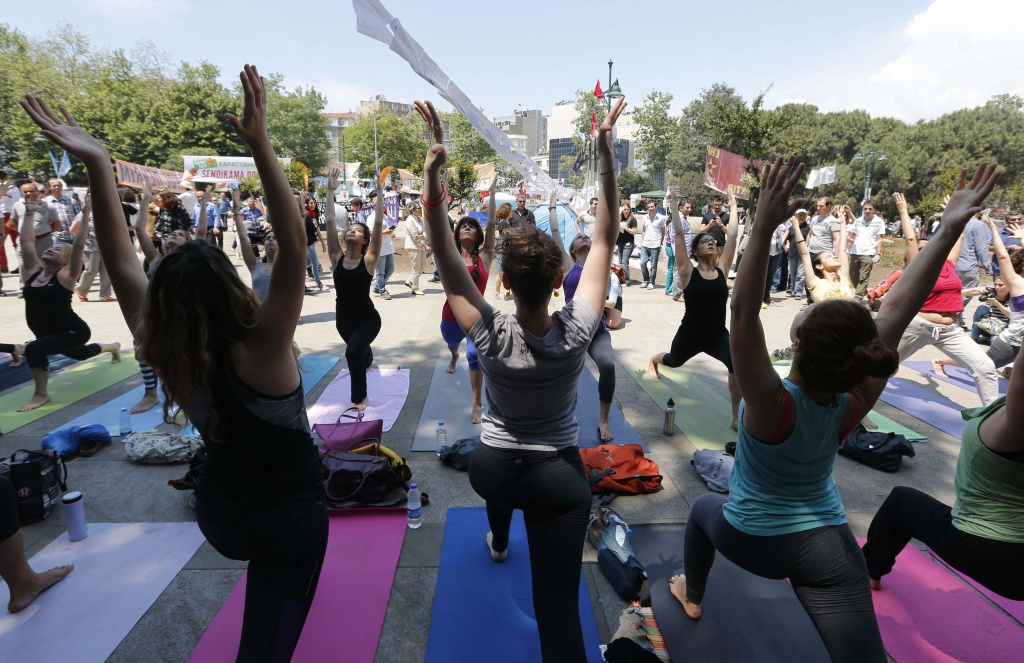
214 227
974 254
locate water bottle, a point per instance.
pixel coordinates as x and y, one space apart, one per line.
74 515
126 424
414 507
442 436
670 418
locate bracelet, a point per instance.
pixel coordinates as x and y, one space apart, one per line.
607 172
437 201
552 206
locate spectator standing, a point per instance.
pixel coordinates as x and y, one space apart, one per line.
974 255
7 227
522 217
386 261
671 284
46 222
67 209
585 221
653 226
866 248
795 286
213 223
715 220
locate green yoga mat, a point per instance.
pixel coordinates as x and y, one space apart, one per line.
67 387
702 415
874 421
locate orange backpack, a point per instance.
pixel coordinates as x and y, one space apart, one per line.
621 469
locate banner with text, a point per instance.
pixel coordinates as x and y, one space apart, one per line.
222 169
725 171
140 177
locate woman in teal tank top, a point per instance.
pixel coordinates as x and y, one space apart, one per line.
783 517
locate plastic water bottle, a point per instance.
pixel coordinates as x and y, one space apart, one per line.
414 506
442 436
126 424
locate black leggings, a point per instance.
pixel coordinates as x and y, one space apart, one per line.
909 513
68 343
686 346
9 521
600 351
358 335
824 566
285 544
551 489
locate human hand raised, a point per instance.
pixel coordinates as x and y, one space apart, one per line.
777 184
967 199
901 202
5 188
252 128
436 154
66 133
333 180
605 152
236 200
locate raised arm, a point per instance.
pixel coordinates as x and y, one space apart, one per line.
376 234
29 259
492 221
845 217
684 267
201 222
759 384
334 251
72 270
244 245
1013 280
593 287
810 278
556 234
141 219
909 235
732 237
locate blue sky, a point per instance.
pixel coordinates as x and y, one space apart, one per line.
912 59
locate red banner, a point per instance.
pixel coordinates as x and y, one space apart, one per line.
134 175
725 171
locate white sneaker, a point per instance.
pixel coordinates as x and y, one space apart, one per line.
650 286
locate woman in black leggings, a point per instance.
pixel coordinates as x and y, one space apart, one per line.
528 458
49 283
783 517
228 361
706 294
600 349
356 318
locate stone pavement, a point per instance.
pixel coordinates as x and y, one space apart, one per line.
117 491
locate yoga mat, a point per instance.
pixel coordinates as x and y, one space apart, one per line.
109 414
387 389
958 376
66 387
1013 608
120 570
928 406
347 614
483 611
746 617
702 415
588 413
12 376
926 614
874 421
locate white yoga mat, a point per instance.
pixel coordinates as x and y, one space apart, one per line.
109 414
449 399
120 570
387 389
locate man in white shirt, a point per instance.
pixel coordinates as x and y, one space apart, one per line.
585 222
46 221
865 248
187 198
650 248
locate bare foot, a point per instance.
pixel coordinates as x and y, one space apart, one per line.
605 432
35 402
652 369
360 406
939 367
452 363
876 584
478 413
148 402
115 353
677 585
16 354
495 555
43 581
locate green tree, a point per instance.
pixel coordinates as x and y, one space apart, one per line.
691 187
296 123
465 141
658 132
401 142
632 181
461 180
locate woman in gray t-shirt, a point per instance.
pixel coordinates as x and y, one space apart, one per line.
531 361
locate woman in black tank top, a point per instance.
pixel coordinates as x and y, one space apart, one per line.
50 280
353 266
706 293
227 360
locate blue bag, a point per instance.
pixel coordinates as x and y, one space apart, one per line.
77 439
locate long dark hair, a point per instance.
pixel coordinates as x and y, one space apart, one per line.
477 245
532 262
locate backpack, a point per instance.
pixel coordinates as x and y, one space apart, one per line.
882 451
609 534
714 467
77 439
621 469
39 478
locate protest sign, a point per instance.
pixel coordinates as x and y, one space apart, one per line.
141 177
725 171
222 169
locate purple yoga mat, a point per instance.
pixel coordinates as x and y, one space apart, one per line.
362 553
1013 608
928 406
958 376
927 615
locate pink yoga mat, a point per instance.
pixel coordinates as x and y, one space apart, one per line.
1013 608
927 615
387 389
362 553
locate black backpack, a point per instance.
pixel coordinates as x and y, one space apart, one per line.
458 454
882 451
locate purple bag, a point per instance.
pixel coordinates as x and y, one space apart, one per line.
343 435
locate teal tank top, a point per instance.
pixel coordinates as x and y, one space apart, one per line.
788 487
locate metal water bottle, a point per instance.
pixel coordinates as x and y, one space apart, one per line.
670 418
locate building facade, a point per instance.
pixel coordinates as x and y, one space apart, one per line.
378 101
336 131
530 124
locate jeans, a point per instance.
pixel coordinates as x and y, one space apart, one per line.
782 274
313 262
385 268
551 489
625 251
649 255
956 344
670 269
977 335
908 513
824 566
773 268
796 273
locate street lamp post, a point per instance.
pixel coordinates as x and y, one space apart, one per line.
870 156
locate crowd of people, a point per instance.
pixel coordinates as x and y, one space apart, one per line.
220 347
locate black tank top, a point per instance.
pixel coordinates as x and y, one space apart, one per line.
353 288
48 308
705 300
261 449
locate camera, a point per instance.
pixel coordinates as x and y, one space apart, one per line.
989 292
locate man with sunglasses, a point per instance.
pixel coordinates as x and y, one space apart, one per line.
521 217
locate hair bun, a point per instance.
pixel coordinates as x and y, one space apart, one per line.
879 359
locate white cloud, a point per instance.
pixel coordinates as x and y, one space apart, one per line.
956 55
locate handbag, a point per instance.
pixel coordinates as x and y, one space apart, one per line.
882 451
343 435
991 324
371 475
39 479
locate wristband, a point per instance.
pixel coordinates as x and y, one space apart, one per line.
607 172
437 201
552 206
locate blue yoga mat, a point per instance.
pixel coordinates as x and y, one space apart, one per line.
928 406
483 611
588 412
13 376
958 376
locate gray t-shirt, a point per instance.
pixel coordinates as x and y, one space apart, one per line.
531 381
44 218
820 239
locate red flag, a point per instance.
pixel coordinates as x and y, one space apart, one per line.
597 90
593 124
